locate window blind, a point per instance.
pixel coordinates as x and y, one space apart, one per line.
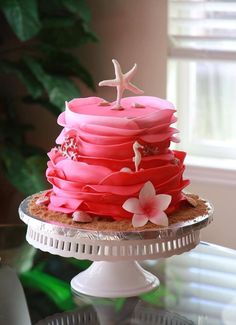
200 28
206 283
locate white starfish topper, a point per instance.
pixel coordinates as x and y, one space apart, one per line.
121 82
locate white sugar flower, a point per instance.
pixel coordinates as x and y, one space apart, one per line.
148 207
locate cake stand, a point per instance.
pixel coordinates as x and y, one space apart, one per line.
115 271
145 315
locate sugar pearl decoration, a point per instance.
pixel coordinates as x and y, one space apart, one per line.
137 105
126 170
104 103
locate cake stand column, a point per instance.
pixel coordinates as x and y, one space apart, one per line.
114 279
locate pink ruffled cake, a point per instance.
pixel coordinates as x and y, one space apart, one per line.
113 166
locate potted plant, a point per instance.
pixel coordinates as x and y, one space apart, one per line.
40 54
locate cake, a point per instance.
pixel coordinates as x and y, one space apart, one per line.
112 166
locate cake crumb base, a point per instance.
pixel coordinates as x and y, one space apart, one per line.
185 213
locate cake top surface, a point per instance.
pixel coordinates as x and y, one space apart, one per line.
95 110
91 106
81 111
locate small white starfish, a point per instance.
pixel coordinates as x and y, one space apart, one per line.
121 82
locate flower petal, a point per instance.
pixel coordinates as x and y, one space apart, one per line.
147 193
132 205
162 201
139 220
160 219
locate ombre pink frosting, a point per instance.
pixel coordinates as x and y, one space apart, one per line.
89 176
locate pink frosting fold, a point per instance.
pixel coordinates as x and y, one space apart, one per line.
92 181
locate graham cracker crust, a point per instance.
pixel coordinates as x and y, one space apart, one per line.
185 213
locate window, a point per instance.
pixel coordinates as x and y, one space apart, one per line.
202 75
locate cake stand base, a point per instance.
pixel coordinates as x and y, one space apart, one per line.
115 272
114 279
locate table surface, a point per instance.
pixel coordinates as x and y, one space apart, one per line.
197 287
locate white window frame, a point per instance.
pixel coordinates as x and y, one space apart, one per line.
204 169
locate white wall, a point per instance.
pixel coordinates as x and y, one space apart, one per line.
129 31
222 230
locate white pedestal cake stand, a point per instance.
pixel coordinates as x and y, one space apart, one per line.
115 271
145 315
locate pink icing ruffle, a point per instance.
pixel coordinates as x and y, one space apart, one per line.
94 182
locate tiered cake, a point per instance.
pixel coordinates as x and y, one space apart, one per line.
113 167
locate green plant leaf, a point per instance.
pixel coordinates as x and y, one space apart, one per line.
22 16
60 89
44 103
31 150
91 36
79 7
65 63
24 75
12 132
58 22
35 168
68 37
26 174
50 8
